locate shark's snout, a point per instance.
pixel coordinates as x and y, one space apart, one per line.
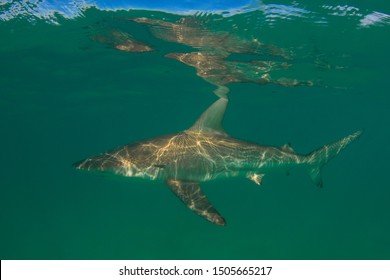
103 162
82 164
219 221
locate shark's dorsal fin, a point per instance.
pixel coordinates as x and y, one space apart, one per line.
211 119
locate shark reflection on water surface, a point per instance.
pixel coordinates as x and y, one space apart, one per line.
214 69
121 41
191 31
211 52
206 152
211 60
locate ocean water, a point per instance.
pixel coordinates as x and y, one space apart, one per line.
68 91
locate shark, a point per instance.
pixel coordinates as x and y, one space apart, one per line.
206 152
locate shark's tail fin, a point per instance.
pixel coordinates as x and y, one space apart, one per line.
317 159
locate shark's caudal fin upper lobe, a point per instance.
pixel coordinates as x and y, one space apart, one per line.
317 159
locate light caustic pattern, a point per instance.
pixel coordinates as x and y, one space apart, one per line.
192 156
201 157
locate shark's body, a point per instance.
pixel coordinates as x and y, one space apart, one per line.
206 152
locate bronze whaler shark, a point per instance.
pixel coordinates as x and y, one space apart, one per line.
206 152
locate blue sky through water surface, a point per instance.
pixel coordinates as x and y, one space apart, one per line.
374 13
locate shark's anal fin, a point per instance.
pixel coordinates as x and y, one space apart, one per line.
190 193
256 178
315 175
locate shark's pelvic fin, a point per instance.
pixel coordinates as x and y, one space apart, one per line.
211 119
323 155
190 193
256 178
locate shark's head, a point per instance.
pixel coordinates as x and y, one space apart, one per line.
103 163
120 163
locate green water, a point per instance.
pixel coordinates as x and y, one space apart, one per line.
64 97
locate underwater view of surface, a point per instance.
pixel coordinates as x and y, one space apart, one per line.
81 78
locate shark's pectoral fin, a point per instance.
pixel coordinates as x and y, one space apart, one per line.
192 196
256 178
